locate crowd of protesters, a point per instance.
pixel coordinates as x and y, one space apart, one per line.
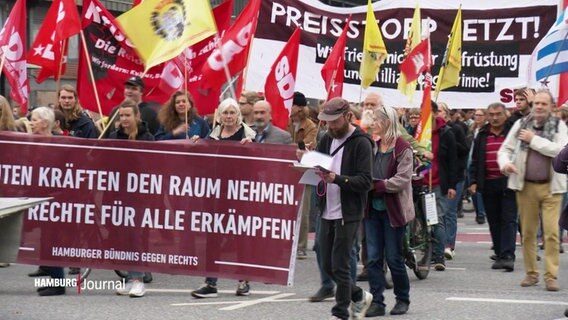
491 155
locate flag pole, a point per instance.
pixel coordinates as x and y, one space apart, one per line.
58 83
226 68
186 93
88 59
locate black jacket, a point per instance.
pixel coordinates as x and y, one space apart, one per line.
84 127
143 133
477 166
447 159
459 130
355 180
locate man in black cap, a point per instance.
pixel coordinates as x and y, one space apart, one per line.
133 89
343 191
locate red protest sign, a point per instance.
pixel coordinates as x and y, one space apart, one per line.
173 207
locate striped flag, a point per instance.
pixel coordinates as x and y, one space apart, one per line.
552 51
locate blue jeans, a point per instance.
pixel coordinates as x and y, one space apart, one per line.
439 230
451 216
477 201
384 241
326 280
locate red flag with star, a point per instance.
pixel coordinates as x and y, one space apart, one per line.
332 70
12 48
49 50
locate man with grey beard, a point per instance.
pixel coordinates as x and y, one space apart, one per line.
266 132
342 195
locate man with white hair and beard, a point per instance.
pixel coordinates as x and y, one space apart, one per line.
342 195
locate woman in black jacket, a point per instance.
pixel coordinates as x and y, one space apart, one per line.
131 127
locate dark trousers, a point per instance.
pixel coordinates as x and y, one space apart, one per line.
55 272
501 209
384 241
336 239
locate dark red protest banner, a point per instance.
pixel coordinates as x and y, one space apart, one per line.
208 208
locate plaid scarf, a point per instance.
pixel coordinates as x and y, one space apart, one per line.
550 128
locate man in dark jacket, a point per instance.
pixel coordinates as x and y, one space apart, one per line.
342 202
499 201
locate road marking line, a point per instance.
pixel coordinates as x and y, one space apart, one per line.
245 304
258 266
561 303
219 291
201 303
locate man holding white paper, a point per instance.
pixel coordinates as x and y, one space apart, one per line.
342 195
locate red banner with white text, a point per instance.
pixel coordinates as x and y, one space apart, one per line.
171 207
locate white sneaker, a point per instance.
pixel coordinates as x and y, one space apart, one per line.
125 290
359 308
137 290
449 254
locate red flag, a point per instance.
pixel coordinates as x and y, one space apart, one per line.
281 81
190 63
60 23
332 70
234 47
418 60
12 53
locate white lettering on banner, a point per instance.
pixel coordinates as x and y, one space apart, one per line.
153 257
118 214
256 191
285 82
230 48
77 253
105 45
156 219
16 175
144 183
63 212
183 260
481 29
199 187
120 255
234 224
70 178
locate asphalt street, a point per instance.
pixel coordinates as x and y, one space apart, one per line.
468 289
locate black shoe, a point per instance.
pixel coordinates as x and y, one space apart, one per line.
40 272
494 257
51 291
400 307
497 265
363 276
74 270
508 264
147 277
566 313
561 248
439 264
322 294
375 310
480 220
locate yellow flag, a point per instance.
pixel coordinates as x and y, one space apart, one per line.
414 38
161 29
374 50
449 75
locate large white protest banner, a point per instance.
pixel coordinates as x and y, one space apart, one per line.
498 39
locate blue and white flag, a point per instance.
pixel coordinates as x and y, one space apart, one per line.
552 50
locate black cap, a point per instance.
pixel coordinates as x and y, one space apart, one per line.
135 81
333 109
299 99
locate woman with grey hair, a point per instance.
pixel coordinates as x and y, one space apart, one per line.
229 123
389 210
42 121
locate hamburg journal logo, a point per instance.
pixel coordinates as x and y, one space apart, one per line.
81 284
